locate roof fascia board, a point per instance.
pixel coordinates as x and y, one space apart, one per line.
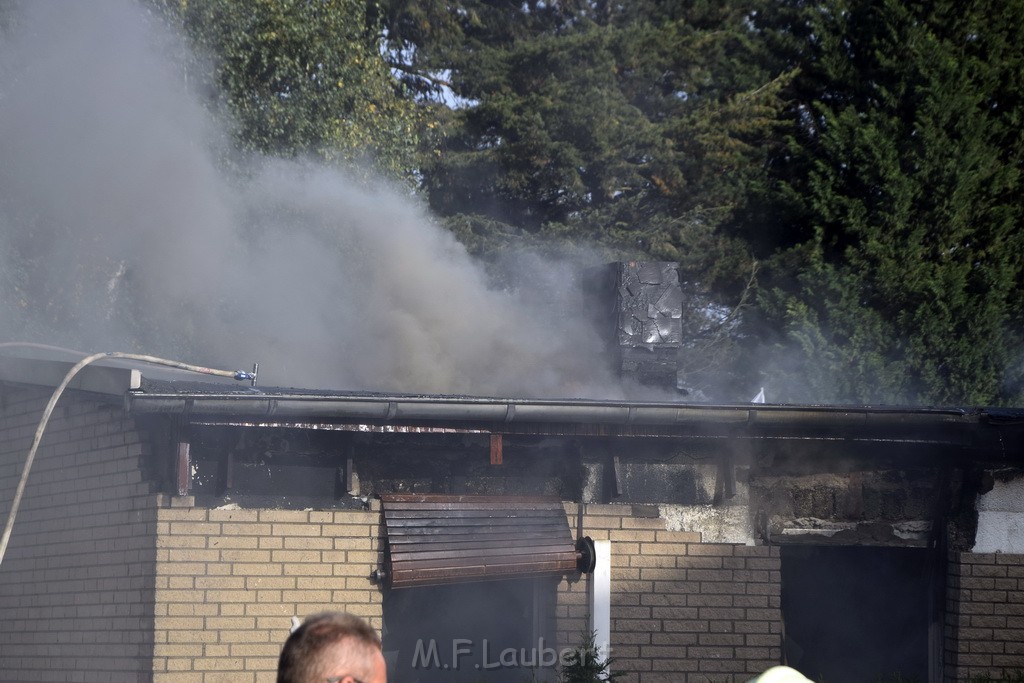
399 408
95 379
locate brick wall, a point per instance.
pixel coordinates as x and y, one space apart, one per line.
984 615
76 583
229 581
682 611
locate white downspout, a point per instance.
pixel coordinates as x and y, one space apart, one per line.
601 598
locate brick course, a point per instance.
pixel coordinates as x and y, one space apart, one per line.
984 615
76 589
682 610
229 581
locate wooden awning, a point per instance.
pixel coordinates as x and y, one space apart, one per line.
438 539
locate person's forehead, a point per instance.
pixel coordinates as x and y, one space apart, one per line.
380 669
346 657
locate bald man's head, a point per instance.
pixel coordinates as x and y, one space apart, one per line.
335 647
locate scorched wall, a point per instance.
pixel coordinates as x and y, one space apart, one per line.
109 579
682 610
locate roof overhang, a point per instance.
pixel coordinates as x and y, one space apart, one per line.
153 391
109 380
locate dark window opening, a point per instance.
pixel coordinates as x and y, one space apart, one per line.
494 631
856 614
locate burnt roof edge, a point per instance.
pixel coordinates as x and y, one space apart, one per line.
397 408
972 428
196 400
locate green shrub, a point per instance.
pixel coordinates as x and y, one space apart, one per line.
585 665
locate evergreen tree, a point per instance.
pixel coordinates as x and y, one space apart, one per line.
303 79
637 126
899 197
640 127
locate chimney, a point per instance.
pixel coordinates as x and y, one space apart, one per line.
647 313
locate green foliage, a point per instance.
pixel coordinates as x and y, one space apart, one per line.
904 184
634 127
639 129
585 664
303 79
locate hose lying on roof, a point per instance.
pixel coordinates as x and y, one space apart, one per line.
234 374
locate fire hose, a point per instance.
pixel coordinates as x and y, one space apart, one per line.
41 428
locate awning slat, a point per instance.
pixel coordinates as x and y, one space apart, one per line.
463 542
446 554
465 522
433 577
436 539
478 505
468 534
469 499
554 559
476 513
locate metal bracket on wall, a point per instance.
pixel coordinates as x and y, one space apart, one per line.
229 471
725 485
496 449
348 483
183 468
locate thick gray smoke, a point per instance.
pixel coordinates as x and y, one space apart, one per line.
119 231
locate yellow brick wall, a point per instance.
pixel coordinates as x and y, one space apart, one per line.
76 582
682 610
984 616
229 581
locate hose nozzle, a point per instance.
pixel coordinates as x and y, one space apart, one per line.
243 375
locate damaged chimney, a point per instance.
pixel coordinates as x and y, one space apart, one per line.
647 312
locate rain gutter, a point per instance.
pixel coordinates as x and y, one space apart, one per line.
398 409
980 427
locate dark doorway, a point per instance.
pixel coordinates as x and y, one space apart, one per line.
494 631
856 614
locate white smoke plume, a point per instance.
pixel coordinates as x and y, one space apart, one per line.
120 231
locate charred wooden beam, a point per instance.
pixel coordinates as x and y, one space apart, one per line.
184 469
496 449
